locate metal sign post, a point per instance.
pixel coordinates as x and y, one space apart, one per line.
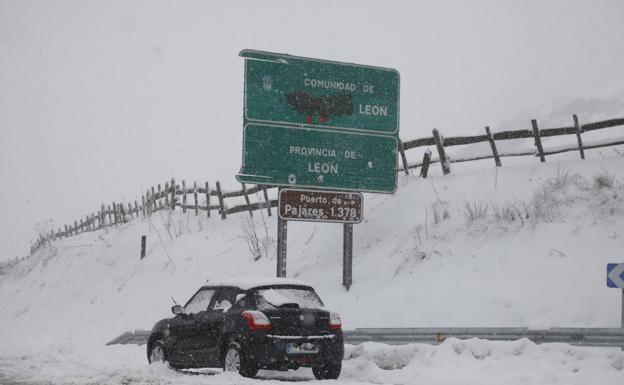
615 279
347 255
282 233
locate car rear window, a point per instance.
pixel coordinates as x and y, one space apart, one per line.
288 296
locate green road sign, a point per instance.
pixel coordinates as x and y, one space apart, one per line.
291 90
317 158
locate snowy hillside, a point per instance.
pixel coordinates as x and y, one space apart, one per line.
522 245
518 246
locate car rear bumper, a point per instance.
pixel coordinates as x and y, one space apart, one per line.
268 351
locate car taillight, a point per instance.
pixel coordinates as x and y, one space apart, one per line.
256 320
334 321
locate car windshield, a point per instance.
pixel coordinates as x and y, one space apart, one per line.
301 297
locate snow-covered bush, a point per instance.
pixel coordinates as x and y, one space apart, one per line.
510 212
604 180
475 211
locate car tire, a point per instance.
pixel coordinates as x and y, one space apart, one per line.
157 352
234 361
329 371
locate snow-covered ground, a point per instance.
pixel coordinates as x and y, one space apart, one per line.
455 361
522 245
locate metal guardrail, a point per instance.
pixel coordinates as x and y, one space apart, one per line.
573 336
607 337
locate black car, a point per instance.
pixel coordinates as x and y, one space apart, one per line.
251 324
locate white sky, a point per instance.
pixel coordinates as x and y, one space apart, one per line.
101 99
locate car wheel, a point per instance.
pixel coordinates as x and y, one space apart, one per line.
234 361
157 352
329 371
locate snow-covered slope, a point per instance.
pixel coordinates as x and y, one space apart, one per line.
533 254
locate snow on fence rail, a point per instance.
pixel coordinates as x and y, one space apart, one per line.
608 337
175 195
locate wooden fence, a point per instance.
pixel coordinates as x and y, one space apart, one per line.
187 197
172 196
536 133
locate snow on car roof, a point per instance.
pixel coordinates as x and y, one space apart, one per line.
247 283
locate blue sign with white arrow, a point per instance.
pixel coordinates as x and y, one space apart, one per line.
615 275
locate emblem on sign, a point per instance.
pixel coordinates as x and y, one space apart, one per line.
266 83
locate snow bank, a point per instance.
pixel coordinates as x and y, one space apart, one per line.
455 361
483 362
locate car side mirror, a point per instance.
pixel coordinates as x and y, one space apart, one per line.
177 309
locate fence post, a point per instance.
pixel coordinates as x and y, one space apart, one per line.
266 199
136 208
195 196
148 203
110 216
143 205
424 169
122 213
247 199
153 196
207 200
75 227
493 145
221 204
130 210
166 195
439 141
143 242
578 129
403 158
174 196
538 140
183 196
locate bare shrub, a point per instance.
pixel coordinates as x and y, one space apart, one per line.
604 180
257 245
561 180
440 211
5 266
509 212
475 211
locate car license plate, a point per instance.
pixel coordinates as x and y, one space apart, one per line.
301 348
